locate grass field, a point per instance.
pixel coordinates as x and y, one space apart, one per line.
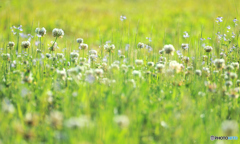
151 72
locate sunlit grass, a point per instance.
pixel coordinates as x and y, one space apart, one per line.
126 90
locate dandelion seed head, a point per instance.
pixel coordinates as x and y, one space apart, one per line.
109 47
58 33
169 49
121 120
235 65
83 46
138 62
230 127
78 122
228 83
219 63
208 49
80 40
11 45
6 56
150 64
136 73
94 52
7 106
198 72
25 44
140 45
74 55
161 51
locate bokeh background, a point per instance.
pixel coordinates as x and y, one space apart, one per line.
99 20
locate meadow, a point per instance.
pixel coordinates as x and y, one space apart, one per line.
119 71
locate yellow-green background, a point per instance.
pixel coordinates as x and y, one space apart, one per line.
97 22
100 19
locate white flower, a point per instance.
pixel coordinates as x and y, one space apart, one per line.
56 118
99 72
74 55
185 35
206 71
60 55
62 74
93 57
229 67
150 63
25 44
11 45
122 56
124 67
48 55
6 56
198 72
228 83
208 48
39 51
233 75
230 127
83 46
160 67
78 122
37 30
186 59
109 48
219 63
174 65
161 51
58 33
204 57
93 52
164 124
136 73
132 82
235 65
73 71
121 120
90 78
82 59
140 45
7 106
162 59
238 82
80 40
40 31
115 66
169 49
184 46
138 62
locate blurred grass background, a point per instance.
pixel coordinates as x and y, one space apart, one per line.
99 20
